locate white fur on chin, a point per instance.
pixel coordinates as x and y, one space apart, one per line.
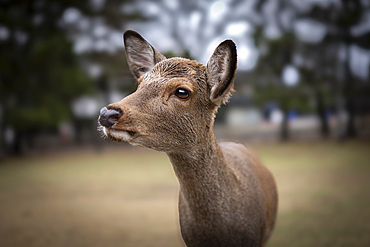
119 135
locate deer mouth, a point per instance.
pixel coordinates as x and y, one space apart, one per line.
119 135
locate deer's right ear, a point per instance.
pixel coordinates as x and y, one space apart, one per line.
141 56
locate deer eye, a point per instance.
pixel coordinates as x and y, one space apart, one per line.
182 93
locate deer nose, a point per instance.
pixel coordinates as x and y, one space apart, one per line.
108 117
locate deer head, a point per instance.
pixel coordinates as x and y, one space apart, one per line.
176 99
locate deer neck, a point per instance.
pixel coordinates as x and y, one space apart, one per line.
201 171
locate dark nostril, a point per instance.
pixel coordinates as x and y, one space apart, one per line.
114 118
108 117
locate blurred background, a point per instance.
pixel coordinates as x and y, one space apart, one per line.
302 102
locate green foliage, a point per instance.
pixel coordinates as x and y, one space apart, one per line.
185 54
42 94
63 74
40 77
268 85
288 97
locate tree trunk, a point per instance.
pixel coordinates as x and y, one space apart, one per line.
284 134
18 148
325 131
2 143
350 127
351 7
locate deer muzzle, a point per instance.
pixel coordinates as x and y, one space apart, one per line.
109 117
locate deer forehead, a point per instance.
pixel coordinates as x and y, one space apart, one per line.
173 69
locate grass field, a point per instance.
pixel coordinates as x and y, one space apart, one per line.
128 197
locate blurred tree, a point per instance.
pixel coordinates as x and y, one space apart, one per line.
97 38
317 71
268 80
39 73
346 23
310 35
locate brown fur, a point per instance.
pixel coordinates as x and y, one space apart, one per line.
227 197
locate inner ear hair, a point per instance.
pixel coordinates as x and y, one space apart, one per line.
141 56
221 69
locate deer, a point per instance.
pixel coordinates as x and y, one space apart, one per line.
226 196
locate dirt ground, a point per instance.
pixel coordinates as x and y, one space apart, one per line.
128 197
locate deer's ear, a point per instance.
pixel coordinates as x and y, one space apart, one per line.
141 56
221 69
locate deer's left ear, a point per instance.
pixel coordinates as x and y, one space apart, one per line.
221 69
